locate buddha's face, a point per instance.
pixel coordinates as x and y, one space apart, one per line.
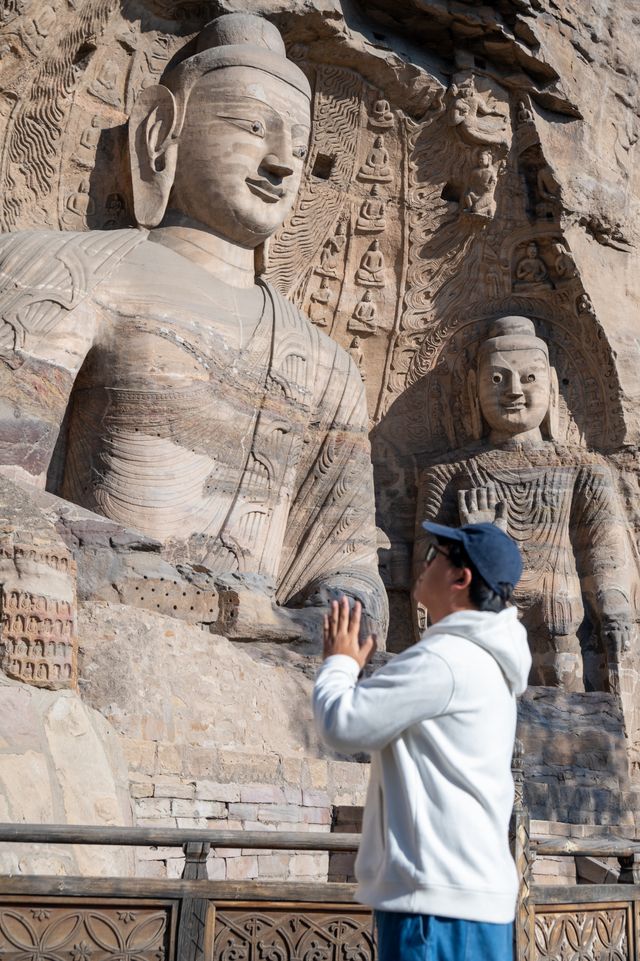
241 153
514 390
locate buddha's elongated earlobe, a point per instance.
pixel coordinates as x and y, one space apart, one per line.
552 420
474 405
154 151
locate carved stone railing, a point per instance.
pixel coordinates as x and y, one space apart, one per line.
195 919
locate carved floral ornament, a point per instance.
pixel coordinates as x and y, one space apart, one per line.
583 935
62 934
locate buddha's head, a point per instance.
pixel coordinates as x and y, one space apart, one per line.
222 141
514 387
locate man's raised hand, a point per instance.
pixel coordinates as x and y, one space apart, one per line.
340 632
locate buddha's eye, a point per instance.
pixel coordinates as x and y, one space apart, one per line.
256 127
531 378
497 378
300 151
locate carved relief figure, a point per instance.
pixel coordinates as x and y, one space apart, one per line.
320 299
157 408
88 142
523 113
36 31
331 250
560 504
78 204
530 269
364 316
475 119
371 218
382 115
563 262
548 192
376 167
478 197
105 85
371 269
357 355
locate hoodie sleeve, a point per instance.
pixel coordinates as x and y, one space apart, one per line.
351 717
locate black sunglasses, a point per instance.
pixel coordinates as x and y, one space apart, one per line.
432 550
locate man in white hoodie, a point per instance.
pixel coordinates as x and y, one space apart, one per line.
439 720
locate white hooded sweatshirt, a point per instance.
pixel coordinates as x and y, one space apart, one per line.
439 720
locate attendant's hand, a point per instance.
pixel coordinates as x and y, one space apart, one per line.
480 505
341 628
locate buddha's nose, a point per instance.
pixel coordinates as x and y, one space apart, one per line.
276 166
515 387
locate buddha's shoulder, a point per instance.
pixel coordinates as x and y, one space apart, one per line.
294 320
63 260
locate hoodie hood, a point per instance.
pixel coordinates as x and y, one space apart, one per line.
501 635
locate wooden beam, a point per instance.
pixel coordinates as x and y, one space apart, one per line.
574 894
177 837
171 889
596 847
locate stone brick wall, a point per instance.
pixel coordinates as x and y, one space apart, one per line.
303 798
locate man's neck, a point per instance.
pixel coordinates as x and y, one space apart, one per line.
232 264
435 616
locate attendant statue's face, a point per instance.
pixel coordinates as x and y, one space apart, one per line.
514 389
241 152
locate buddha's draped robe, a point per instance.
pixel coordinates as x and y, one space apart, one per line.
254 460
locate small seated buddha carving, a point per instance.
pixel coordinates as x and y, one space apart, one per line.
364 316
372 216
382 115
376 167
531 269
370 273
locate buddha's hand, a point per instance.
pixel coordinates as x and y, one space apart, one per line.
480 505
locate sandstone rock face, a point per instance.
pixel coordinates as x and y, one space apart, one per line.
60 761
450 261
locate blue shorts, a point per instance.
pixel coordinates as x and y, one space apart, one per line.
425 937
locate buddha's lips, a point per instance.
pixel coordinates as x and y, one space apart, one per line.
265 189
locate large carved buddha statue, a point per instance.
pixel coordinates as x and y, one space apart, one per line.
559 503
150 377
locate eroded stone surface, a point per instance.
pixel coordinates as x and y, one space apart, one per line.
60 761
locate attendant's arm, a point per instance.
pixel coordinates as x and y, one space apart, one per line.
600 539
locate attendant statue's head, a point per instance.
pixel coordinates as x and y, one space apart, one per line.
221 142
514 389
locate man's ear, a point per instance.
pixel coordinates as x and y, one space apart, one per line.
154 153
463 580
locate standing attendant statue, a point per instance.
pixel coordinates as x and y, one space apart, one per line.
559 504
198 405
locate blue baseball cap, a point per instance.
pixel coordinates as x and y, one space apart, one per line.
493 553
